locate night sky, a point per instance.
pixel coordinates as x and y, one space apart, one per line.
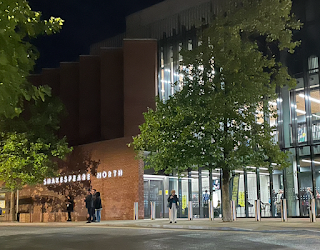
86 22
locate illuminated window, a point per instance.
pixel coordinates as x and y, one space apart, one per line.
313 64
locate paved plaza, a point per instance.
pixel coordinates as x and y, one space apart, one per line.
159 234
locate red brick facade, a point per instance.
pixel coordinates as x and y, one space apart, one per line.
118 193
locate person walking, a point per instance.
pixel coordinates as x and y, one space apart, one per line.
173 205
98 206
89 205
70 206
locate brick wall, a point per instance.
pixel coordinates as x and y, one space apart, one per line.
118 193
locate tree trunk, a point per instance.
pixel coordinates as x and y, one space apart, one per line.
226 207
12 207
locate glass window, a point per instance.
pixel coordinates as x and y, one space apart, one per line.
190 44
216 192
238 193
317 178
313 64
252 190
305 185
277 191
299 115
171 70
183 196
195 193
273 120
205 193
292 188
264 176
162 79
2 204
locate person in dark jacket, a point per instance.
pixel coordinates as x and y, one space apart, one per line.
173 205
89 205
98 206
94 192
70 206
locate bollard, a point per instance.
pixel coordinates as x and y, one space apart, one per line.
211 210
153 210
190 212
257 207
135 211
312 212
284 215
233 210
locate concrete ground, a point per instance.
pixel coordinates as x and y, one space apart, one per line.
130 236
242 224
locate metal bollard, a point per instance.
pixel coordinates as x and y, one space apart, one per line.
153 210
257 207
233 210
312 211
190 212
284 215
211 210
135 211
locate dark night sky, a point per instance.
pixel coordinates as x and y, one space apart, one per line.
86 22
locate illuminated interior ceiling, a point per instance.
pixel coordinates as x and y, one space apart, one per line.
307 162
315 106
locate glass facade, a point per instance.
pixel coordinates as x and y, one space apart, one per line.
297 131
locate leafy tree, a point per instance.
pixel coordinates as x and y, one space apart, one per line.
228 82
29 146
18 25
28 141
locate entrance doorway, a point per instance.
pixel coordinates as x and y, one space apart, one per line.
153 192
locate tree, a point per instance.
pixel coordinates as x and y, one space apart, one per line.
19 24
28 143
228 82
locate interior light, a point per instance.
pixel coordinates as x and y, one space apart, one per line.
238 171
263 168
300 111
309 97
273 103
309 161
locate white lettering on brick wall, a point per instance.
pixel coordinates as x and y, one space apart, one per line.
82 177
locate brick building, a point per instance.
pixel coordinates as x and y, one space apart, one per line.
105 96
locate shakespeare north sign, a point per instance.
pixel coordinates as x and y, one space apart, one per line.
82 177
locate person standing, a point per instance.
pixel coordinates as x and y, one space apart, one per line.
206 201
89 205
94 201
70 206
173 205
98 206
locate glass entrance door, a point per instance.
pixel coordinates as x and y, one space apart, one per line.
305 186
153 192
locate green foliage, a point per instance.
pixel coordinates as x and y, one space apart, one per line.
29 146
228 80
19 24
